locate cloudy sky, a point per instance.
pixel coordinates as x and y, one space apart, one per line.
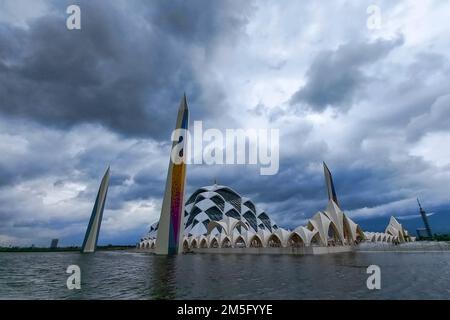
373 103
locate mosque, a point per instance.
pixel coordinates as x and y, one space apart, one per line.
218 219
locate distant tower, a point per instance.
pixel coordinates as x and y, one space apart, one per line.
330 185
91 237
54 244
425 220
171 222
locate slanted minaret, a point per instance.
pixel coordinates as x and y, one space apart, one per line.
93 229
330 185
425 220
171 222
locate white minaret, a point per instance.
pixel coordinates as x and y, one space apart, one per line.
93 229
171 222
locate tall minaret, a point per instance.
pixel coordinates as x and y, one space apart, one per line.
330 185
425 219
171 222
93 229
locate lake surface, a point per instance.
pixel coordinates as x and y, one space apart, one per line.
138 275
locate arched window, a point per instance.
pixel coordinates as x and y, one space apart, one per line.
214 243
214 213
250 205
274 241
240 243
233 214
315 241
193 196
231 197
218 200
266 220
295 241
251 219
333 235
255 242
226 243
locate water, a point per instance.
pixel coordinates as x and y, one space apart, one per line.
137 275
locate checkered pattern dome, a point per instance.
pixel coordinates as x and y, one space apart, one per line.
214 203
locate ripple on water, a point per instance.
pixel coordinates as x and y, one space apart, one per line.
134 275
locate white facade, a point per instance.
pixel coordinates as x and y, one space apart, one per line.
218 217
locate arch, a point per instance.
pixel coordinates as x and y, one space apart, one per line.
153 245
220 225
185 244
315 240
274 241
237 224
249 204
147 245
295 241
218 200
255 242
203 244
214 243
265 220
321 223
250 217
194 244
240 242
194 195
226 243
233 213
333 235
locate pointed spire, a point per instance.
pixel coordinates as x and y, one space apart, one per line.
93 229
329 184
171 222
183 103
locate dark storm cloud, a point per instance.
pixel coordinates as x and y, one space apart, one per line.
335 76
125 69
124 73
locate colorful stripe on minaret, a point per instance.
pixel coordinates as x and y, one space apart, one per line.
177 197
171 221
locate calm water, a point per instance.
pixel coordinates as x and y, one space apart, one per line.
130 275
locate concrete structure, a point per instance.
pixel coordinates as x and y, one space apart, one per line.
217 218
93 229
171 225
395 229
394 233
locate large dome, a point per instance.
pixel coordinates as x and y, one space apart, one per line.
213 203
